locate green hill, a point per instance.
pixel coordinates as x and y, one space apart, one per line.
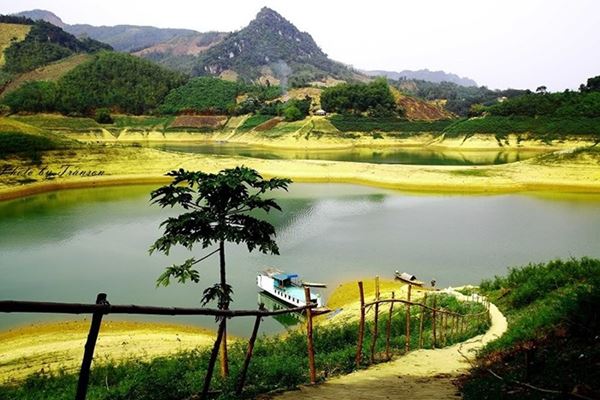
43 44
272 48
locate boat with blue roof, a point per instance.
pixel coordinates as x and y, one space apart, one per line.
287 287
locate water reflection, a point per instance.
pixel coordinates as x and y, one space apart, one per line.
391 155
272 304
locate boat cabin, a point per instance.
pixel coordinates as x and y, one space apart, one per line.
283 280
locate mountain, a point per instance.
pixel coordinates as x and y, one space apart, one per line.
424 75
127 38
272 48
43 15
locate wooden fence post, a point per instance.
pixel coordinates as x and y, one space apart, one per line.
433 322
376 320
361 325
444 327
407 344
456 326
388 329
88 354
242 378
309 338
421 321
212 361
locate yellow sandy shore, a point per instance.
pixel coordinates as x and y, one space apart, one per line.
55 346
568 173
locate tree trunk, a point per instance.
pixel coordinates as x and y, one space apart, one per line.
225 306
212 361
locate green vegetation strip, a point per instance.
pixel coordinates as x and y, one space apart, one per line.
522 124
349 123
279 362
553 332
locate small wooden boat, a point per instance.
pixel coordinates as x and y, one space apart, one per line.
408 278
285 287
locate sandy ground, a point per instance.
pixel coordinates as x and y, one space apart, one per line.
421 374
143 165
55 346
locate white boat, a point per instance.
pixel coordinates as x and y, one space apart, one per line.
285 287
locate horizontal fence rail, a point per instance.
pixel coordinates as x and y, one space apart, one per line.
10 306
103 307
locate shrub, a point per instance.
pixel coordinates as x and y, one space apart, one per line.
292 113
102 116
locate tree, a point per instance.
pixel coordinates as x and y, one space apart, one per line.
292 113
217 211
541 89
593 85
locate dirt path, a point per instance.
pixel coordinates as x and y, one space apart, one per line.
422 374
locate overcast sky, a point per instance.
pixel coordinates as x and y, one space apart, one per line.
499 43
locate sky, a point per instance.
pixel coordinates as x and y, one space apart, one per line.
498 43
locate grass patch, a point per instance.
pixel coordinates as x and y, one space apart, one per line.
471 172
28 145
553 333
349 123
254 121
57 122
141 122
10 33
553 128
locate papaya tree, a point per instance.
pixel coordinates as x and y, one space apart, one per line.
216 210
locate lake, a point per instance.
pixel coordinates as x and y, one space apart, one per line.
378 155
71 245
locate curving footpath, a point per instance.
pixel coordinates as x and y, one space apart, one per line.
421 374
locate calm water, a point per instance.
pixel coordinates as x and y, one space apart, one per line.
70 245
394 155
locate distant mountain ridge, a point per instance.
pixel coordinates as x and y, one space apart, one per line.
424 75
269 48
127 38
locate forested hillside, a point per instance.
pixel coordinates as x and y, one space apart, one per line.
120 82
271 46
